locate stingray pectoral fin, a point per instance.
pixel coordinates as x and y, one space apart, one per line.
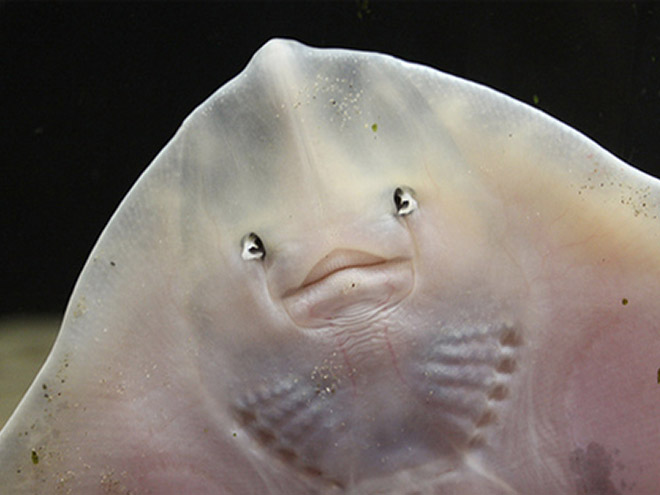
573 238
592 271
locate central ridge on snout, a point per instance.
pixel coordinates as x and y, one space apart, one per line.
348 286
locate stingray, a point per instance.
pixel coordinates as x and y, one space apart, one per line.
350 274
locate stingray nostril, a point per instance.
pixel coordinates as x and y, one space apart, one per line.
404 201
252 247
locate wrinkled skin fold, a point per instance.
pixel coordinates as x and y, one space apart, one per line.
352 274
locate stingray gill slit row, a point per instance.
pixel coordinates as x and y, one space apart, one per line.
404 201
252 247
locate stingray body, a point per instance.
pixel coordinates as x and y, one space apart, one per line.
351 274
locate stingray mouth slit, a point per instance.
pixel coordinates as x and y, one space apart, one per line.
348 286
337 260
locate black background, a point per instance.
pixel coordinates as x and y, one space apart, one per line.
91 92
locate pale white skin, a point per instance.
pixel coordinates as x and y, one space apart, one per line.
501 337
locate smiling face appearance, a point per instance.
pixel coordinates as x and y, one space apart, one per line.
351 274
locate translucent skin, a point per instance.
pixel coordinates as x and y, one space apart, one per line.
500 337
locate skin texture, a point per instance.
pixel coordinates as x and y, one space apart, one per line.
490 327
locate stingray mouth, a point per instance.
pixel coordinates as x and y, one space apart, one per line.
348 286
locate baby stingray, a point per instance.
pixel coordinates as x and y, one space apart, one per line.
349 274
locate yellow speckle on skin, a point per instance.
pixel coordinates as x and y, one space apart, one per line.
81 307
374 127
624 301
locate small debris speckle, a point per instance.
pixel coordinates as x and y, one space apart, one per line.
624 301
374 127
34 456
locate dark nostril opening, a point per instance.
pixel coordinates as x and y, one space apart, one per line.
404 202
252 247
